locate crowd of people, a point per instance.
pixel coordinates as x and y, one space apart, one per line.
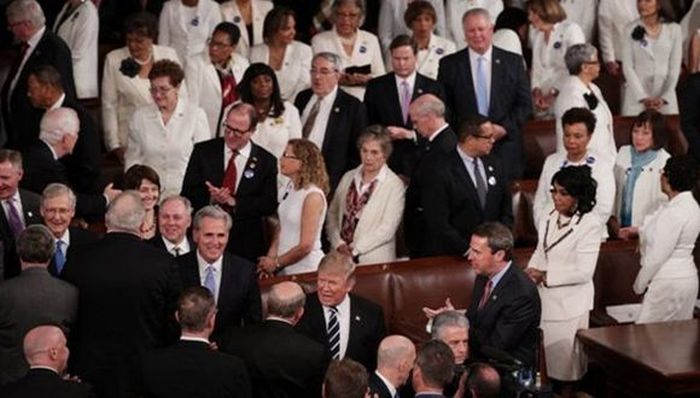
258 139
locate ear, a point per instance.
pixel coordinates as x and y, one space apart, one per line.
500 255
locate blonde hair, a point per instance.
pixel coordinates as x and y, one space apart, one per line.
313 168
549 11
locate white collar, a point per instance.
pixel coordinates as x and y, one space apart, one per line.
330 97
58 102
169 246
194 338
410 79
245 151
438 131
34 40
473 55
65 238
44 367
203 264
387 383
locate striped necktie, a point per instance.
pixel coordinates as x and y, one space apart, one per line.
334 333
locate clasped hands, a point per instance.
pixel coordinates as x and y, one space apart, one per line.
221 195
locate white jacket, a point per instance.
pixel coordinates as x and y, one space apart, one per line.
187 37
613 17
294 76
260 8
428 60
80 31
583 13
548 67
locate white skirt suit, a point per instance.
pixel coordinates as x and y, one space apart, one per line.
260 8
375 235
647 190
569 255
651 68
668 274
548 68
188 36
294 76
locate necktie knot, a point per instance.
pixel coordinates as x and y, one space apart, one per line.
176 250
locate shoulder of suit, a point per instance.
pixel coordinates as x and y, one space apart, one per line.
364 303
238 260
262 153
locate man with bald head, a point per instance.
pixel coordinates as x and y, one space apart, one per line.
281 362
46 352
395 358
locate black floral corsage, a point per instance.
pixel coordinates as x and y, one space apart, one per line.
638 34
557 45
129 67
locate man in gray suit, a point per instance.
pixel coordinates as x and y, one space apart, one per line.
30 299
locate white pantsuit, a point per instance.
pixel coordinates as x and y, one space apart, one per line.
375 235
294 76
651 68
668 274
260 8
454 11
186 30
568 254
647 190
80 31
392 24
548 67
613 17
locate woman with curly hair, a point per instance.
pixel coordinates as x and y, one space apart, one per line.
562 267
296 246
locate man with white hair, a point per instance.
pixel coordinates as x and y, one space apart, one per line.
127 293
395 358
38 46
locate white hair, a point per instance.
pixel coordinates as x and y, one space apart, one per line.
58 123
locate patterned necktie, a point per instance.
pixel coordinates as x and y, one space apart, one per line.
333 329
13 218
209 281
482 96
487 293
405 100
231 174
176 251
58 257
480 184
311 120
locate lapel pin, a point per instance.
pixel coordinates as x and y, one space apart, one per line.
494 297
336 109
492 180
498 60
357 318
420 91
29 213
249 174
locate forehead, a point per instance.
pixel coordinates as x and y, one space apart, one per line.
60 200
480 243
453 332
321 62
332 275
402 51
172 207
476 21
211 224
221 36
576 128
7 166
237 118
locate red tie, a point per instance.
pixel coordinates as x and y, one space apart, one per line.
230 175
487 293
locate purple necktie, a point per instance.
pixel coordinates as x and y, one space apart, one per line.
13 218
405 100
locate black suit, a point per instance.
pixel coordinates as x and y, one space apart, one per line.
45 383
256 197
345 123
18 114
510 318
41 169
30 211
84 165
690 114
281 362
366 328
377 387
190 369
238 302
78 237
127 293
510 101
451 204
383 103
414 224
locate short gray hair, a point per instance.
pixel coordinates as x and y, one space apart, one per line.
126 213
377 133
177 198
330 57
55 190
57 123
12 156
477 11
577 55
26 10
448 319
36 244
429 104
214 212
337 262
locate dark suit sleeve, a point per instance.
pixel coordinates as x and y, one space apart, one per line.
239 379
83 165
264 202
62 61
193 187
690 115
446 78
371 106
522 105
253 307
169 290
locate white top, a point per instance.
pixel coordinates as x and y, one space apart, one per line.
508 40
289 212
667 239
343 322
392 24
122 95
548 67
318 132
274 132
186 29
294 76
651 68
455 10
80 31
365 52
613 16
428 60
260 8
218 267
647 190
166 147
583 13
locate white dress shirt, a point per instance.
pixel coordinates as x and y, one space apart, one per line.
343 321
318 132
218 266
469 164
65 238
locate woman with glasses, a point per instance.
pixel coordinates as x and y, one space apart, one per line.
146 181
163 134
562 267
359 50
296 245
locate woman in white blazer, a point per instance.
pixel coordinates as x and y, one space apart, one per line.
553 37
421 17
368 203
562 266
583 13
651 61
249 16
78 25
206 74
125 83
185 25
290 59
668 277
392 23
454 11
613 17
355 47
579 91
638 169
163 134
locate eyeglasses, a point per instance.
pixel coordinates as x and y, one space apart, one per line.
322 71
160 90
347 15
228 130
217 44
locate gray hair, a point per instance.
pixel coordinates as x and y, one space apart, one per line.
428 104
577 55
336 262
55 190
448 319
26 10
57 123
177 198
12 156
394 349
330 57
214 212
377 133
194 307
477 11
36 245
126 213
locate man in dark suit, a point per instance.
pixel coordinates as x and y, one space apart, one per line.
437 139
57 210
191 368
281 362
348 325
505 310
31 299
388 99
174 219
465 189
238 175
331 118
395 359
38 46
433 369
20 208
486 80
46 352
230 278
127 293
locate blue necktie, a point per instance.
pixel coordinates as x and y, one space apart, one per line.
209 281
482 96
59 258
334 333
